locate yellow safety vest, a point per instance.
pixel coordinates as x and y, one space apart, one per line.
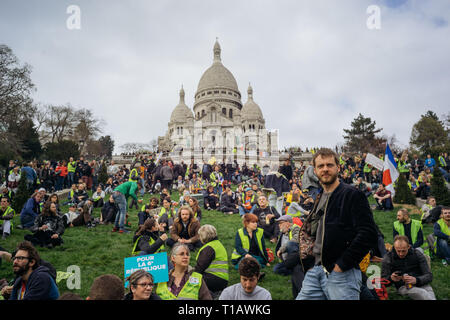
219 266
190 289
246 242
8 211
150 242
415 227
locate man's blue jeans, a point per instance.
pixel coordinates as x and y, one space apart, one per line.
121 202
317 285
243 211
443 249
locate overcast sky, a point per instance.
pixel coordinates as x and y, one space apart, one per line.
313 65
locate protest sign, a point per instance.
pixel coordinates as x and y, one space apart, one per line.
374 161
155 264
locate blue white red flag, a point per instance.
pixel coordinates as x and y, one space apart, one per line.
390 172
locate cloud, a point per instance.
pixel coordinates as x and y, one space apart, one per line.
313 65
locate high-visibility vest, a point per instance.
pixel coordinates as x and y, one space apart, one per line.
410 184
341 161
135 174
219 266
71 166
163 210
292 229
150 242
8 211
415 227
429 206
444 229
213 178
246 242
366 168
442 161
189 291
402 166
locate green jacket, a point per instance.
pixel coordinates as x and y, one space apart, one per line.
128 188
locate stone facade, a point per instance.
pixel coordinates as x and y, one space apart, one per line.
219 126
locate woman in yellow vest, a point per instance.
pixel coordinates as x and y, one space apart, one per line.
149 238
249 241
212 260
184 283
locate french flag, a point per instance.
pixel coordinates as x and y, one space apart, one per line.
390 172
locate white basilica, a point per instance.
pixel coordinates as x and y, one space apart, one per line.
220 125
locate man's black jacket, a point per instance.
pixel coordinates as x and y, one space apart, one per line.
349 231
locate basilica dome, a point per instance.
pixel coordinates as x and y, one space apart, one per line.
217 76
251 111
181 113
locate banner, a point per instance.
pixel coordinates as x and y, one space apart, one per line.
155 264
374 161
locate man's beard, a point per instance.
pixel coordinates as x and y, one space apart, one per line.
330 179
22 270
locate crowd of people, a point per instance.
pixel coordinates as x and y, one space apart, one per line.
318 216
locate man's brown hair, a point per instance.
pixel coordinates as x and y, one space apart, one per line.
325 153
401 238
107 287
32 252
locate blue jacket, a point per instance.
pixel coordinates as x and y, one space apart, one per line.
30 173
31 209
40 286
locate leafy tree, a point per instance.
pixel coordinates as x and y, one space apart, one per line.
16 104
403 194
61 150
103 174
362 136
29 137
22 194
439 188
429 136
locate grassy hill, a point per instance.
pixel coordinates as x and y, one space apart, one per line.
99 251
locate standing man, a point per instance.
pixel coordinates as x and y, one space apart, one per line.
120 196
71 167
338 233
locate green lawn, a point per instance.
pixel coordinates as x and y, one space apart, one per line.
99 251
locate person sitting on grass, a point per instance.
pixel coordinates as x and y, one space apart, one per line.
98 197
71 215
228 203
185 229
247 202
408 270
167 214
48 228
30 211
193 203
212 260
442 232
141 286
211 199
109 211
247 288
86 218
149 238
34 280
405 226
383 198
249 242
184 283
6 215
266 219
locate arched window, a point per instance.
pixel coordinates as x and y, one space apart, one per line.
230 113
224 111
